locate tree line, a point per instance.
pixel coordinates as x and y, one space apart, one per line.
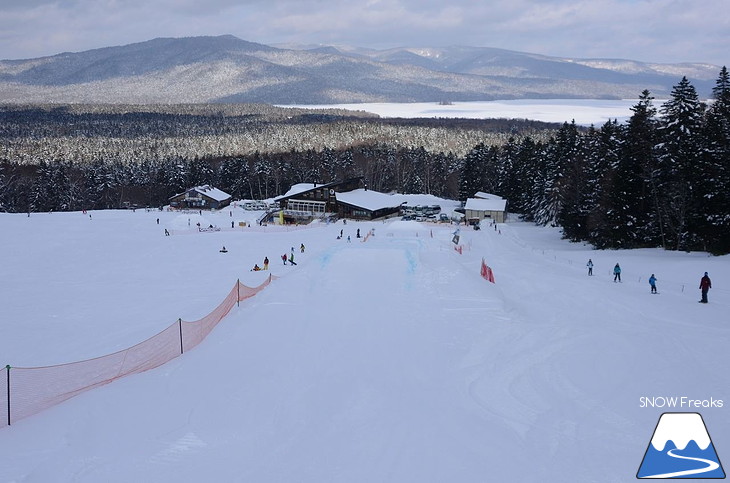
662 179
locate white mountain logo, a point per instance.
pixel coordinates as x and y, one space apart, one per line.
681 448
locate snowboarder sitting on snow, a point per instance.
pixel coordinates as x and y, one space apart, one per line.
256 268
617 273
705 285
652 282
223 250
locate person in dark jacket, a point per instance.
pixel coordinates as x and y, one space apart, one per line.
705 285
590 266
617 273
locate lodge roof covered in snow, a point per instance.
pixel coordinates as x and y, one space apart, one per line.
490 204
370 200
208 191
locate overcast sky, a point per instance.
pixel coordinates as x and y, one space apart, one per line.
646 30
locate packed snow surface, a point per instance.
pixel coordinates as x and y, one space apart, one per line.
388 359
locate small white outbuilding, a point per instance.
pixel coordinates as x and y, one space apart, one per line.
485 205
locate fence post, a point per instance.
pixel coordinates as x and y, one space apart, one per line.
179 323
8 369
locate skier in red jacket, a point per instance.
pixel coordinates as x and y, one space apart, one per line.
705 285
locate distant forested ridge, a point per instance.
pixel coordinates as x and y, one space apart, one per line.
662 179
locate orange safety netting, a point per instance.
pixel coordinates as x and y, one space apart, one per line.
486 272
29 390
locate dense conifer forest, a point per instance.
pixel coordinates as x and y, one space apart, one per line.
662 179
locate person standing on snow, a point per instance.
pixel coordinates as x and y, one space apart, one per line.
617 273
291 258
266 263
705 285
652 282
283 258
590 266
301 248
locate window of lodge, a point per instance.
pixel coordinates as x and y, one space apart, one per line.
309 206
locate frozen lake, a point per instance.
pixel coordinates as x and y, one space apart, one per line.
584 111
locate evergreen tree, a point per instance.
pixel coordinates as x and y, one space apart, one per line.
602 149
42 198
507 181
679 155
474 171
572 185
632 216
555 181
525 166
716 168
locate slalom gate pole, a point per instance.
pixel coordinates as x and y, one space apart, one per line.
8 369
179 323
238 291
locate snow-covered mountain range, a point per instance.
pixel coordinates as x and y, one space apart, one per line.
228 69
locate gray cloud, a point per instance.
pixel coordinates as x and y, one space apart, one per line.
648 30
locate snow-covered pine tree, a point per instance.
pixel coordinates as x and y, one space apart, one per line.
472 171
602 153
525 167
560 153
679 155
507 183
716 164
630 207
574 209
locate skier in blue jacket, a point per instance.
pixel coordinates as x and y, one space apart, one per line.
652 282
617 273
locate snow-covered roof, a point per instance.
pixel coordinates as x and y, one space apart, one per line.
211 192
369 199
296 189
486 196
207 190
478 204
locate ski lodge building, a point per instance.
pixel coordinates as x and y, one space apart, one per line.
485 205
346 199
203 197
